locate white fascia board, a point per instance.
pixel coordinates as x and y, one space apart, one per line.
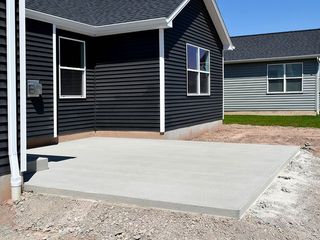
143 25
271 59
62 23
95 31
177 11
215 17
219 24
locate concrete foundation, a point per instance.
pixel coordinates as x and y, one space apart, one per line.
178 134
5 188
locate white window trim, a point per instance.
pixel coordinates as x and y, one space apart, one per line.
285 79
198 71
83 70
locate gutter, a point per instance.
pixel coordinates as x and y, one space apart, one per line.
16 179
287 58
317 87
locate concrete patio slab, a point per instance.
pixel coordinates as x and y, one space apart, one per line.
214 178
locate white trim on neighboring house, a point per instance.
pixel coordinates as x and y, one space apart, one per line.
317 88
222 84
83 70
162 80
288 58
135 26
55 99
23 87
16 179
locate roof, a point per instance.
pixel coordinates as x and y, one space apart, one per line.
282 45
105 12
106 17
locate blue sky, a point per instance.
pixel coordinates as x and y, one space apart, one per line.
244 17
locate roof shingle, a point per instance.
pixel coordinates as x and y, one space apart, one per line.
105 12
275 45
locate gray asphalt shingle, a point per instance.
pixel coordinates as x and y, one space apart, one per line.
105 12
285 44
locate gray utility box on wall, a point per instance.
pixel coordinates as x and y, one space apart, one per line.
34 88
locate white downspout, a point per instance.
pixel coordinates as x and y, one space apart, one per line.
317 87
23 87
16 179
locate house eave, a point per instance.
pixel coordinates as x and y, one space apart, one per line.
285 58
95 31
143 25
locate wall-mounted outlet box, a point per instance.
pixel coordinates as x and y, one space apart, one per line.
34 88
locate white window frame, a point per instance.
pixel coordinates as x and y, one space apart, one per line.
83 70
198 71
285 78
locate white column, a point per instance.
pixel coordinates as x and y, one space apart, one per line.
162 81
55 108
23 86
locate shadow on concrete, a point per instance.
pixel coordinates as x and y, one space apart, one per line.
51 158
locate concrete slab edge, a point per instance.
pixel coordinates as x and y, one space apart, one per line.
144 203
261 190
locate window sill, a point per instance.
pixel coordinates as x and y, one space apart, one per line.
72 97
283 93
199 95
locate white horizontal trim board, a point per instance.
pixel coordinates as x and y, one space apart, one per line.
302 57
134 26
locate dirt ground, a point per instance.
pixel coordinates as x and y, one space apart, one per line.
289 209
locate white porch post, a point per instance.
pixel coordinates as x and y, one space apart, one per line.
23 86
162 81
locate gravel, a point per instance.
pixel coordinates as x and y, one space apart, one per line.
288 209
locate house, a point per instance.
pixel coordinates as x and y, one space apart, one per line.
147 68
137 67
275 73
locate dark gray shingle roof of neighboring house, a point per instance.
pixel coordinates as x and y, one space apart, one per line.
275 45
105 12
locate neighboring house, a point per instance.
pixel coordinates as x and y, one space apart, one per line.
12 108
150 67
273 73
142 67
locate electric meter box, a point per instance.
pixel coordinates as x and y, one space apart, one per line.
34 88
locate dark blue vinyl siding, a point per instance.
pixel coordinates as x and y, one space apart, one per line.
127 82
122 85
193 25
39 57
4 160
78 115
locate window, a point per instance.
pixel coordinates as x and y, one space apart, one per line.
198 71
285 78
72 68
